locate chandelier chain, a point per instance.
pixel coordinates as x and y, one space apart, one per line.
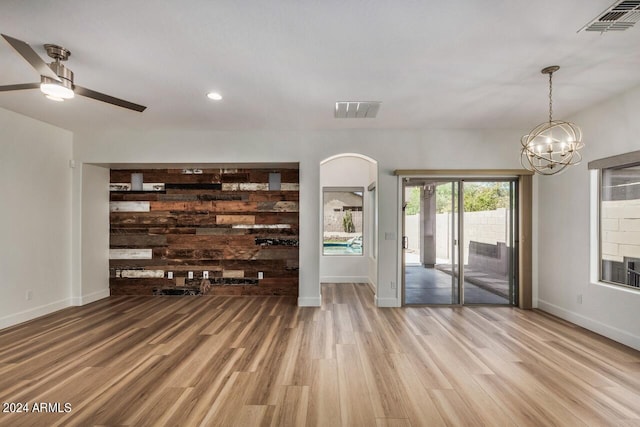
550 98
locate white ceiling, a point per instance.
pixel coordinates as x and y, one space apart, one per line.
282 64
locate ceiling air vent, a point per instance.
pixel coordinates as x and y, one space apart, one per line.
618 17
356 109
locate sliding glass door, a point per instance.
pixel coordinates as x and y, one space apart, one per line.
488 242
458 241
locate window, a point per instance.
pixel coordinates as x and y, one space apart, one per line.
619 223
342 221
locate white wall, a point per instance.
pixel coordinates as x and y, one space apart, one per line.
435 149
347 171
94 235
565 229
35 218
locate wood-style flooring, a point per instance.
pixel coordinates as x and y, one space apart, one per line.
263 361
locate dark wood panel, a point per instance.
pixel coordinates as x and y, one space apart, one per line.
191 227
141 218
279 282
236 177
277 218
208 241
130 196
286 175
188 253
136 263
199 219
273 196
136 240
136 286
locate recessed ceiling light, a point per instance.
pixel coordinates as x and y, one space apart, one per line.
214 95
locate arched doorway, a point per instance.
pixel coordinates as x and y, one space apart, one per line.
349 219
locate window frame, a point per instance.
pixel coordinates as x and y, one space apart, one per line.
346 189
622 161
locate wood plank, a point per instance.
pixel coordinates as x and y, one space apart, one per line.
142 274
129 206
217 231
291 407
248 186
136 240
230 360
235 219
355 408
233 273
130 253
277 207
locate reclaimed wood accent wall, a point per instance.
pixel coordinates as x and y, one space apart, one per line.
204 232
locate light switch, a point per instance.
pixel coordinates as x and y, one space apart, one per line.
170 275
190 275
205 274
260 275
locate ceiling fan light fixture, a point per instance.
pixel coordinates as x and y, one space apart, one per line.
54 98
56 89
56 80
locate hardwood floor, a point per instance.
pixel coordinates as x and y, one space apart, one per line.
262 361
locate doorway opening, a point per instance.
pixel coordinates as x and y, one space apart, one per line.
349 220
460 241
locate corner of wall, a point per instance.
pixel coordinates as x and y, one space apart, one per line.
309 301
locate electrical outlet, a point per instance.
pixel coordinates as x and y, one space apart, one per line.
190 275
393 285
579 299
170 275
29 295
260 275
205 274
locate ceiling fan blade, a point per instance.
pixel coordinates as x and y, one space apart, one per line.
108 99
32 57
19 87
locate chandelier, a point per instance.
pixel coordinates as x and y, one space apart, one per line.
551 146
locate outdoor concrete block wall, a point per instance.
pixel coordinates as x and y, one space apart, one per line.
620 229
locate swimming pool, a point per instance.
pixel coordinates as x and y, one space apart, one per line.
340 249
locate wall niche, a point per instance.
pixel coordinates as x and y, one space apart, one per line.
204 232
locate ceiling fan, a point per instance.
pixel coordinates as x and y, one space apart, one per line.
56 80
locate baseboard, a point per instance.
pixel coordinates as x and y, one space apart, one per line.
309 301
92 297
611 332
32 313
372 286
386 302
344 279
